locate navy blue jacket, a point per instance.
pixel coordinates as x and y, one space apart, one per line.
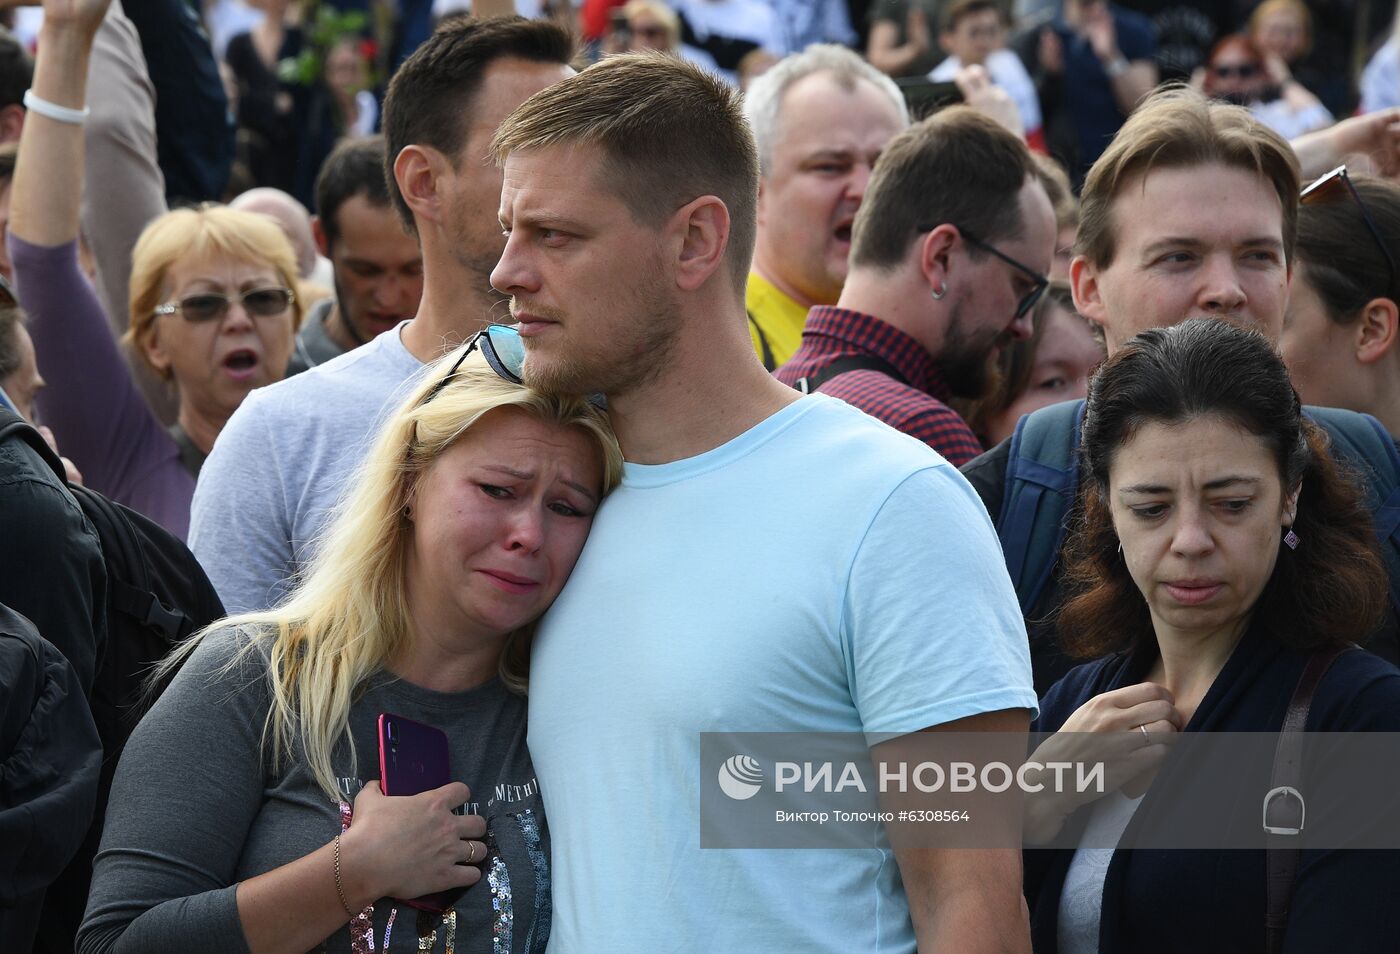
1182 900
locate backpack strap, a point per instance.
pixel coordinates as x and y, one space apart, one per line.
1284 807
811 383
1362 441
132 591
769 363
1042 478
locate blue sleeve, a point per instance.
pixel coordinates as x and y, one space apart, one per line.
240 519
932 626
1136 38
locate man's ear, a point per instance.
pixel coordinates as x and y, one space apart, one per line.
318 235
418 171
935 257
702 227
1084 289
1376 330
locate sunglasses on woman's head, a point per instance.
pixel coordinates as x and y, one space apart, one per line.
503 350
1337 184
211 306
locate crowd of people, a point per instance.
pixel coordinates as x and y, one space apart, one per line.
576 383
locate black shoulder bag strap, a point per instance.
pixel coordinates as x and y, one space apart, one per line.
1284 807
808 384
769 364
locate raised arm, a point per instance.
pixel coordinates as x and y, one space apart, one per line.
48 183
92 404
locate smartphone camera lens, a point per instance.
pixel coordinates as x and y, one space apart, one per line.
393 734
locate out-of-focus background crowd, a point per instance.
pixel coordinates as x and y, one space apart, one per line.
257 92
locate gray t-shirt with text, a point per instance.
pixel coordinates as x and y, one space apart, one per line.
197 807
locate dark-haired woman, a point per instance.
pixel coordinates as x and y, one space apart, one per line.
1220 551
1341 334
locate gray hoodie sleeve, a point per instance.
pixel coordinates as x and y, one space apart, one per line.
187 791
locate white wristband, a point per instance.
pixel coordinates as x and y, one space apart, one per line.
53 111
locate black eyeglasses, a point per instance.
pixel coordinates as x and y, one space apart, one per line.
1241 70
1327 188
503 350
210 306
1029 299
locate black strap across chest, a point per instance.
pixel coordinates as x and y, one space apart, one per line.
810 383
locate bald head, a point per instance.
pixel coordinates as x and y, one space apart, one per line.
290 214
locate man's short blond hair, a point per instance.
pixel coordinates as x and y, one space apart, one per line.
1175 128
670 133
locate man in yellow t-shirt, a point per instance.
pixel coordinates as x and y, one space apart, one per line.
820 118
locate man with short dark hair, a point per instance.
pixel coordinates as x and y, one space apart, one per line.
713 595
377 266
252 527
950 252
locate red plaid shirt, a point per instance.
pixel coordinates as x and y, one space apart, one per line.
916 408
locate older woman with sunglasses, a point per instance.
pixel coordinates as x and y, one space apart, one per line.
464 522
213 309
1341 333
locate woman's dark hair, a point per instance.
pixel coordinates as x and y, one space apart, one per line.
1331 590
1345 263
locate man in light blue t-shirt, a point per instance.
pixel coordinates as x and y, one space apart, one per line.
770 562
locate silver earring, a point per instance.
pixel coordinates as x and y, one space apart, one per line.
1290 539
1120 547
938 293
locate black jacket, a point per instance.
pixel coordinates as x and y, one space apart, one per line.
50 757
1179 900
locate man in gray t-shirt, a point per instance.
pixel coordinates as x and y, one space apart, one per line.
284 458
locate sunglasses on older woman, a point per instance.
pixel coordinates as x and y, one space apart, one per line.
213 306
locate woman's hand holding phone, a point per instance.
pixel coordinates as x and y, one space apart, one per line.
407 846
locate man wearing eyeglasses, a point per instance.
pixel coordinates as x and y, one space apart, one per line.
949 255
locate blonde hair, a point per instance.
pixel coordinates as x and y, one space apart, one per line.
348 614
205 231
664 14
1295 7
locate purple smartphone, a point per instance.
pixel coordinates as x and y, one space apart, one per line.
413 758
